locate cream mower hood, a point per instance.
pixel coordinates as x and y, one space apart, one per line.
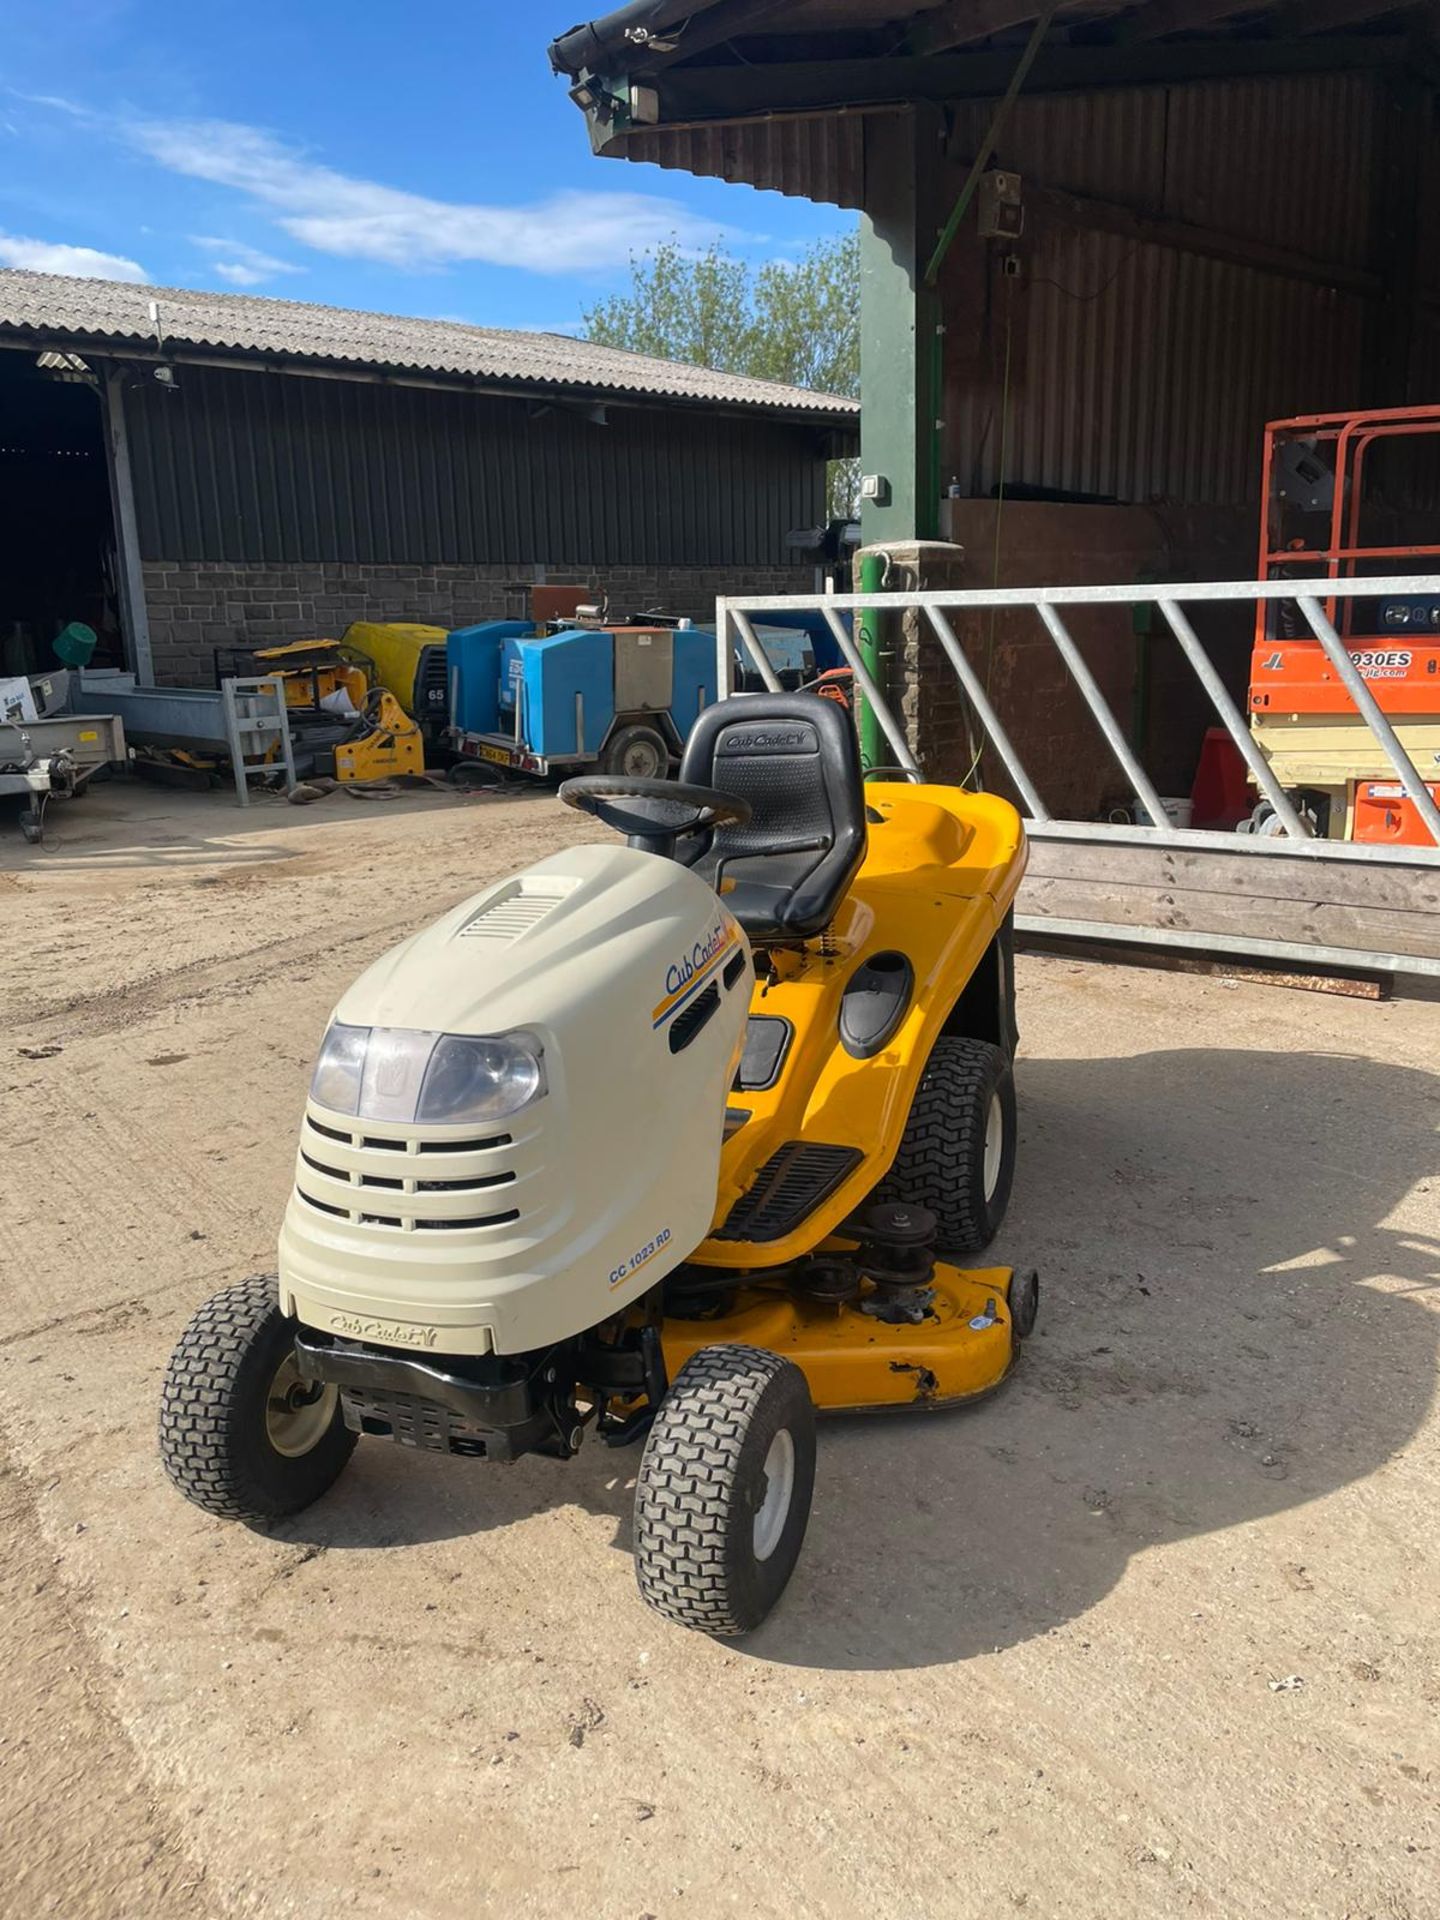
505 1237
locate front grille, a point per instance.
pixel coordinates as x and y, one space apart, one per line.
381 1180
788 1188
432 683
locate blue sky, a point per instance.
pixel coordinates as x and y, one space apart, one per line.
414 158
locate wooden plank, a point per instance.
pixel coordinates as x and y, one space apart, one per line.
1371 884
1347 986
1304 921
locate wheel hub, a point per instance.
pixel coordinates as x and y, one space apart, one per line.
297 1415
778 1474
994 1145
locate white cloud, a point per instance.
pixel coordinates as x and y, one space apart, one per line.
240 264
337 213
53 256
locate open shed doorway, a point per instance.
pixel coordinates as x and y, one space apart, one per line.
57 535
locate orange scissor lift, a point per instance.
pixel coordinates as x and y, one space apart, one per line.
1303 718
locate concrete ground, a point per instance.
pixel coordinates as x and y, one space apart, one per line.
1154 1631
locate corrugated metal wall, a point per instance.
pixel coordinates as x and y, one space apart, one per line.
1146 371
267 467
1286 161
1141 372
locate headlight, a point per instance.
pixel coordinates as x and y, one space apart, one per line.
405 1074
480 1079
335 1082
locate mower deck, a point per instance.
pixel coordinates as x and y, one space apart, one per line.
964 1347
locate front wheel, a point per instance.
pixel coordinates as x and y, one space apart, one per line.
723 1493
241 1434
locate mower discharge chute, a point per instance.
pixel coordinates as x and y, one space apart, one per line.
657 1142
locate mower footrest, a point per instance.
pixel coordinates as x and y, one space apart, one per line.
793 1182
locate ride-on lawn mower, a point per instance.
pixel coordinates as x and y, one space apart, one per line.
653 1141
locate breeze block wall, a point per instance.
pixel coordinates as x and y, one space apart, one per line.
197 607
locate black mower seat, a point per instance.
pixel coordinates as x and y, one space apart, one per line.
794 757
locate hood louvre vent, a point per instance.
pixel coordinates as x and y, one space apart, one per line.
513 912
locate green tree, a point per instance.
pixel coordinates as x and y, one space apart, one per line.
799 323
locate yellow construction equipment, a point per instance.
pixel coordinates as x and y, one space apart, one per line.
391 744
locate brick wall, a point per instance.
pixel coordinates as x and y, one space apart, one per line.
196 607
1039 705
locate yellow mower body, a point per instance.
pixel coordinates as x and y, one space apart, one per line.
941 871
940 875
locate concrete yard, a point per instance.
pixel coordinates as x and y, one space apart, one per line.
1153 1632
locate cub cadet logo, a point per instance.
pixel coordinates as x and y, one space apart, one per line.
773 742
1386 664
686 975
395 1333
699 956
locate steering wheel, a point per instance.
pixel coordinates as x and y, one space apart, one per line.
661 811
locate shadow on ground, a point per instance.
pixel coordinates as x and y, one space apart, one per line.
1229 1328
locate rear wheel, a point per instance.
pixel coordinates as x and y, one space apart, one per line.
241 1434
639 753
724 1488
957 1156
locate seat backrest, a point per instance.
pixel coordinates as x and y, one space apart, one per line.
795 758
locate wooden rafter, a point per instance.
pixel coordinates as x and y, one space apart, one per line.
966 21
1160 18
1324 16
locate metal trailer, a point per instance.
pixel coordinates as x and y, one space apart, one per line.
622 698
56 754
246 718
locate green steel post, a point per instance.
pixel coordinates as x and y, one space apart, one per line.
874 748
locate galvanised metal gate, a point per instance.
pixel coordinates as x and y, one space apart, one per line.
1395 881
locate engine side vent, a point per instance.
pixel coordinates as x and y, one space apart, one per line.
685 1025
513 912
789 1187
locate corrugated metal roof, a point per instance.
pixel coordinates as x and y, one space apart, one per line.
810 156
116 314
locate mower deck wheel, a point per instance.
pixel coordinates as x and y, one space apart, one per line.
724 1488
241 1434
1024 1301
957 1154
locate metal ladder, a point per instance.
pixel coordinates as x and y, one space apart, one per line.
257 721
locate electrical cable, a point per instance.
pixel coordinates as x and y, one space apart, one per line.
1083 299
